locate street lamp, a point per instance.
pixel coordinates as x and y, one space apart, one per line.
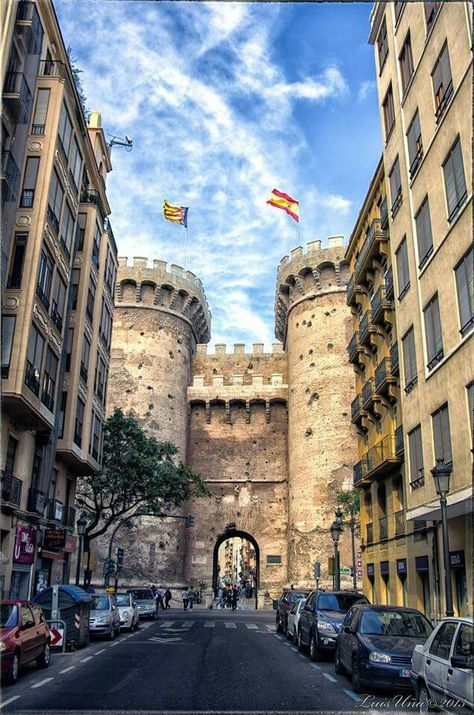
335 533
441 474
81 530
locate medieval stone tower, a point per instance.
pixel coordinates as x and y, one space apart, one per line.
269 432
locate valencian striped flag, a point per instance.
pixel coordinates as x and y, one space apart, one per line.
176 214
285 202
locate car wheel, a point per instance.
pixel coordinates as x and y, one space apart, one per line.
45 657
289 634
111 635
285 629
338 667
423 698
12 675
300 640
278 625
356 685
314 652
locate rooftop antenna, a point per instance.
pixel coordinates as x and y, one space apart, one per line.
118 141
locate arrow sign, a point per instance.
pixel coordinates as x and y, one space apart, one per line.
156 639
56 636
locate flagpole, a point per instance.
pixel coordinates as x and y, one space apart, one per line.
185 245
298 226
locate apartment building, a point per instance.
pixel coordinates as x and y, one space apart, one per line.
60 268
424 80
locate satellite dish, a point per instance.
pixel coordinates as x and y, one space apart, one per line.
129 140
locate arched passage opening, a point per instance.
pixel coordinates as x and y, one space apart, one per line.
236 561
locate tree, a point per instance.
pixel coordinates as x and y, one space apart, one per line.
350 503
139 477
76 73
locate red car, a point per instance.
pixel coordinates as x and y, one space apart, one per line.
24 637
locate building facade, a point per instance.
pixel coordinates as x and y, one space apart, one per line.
57 299
424 78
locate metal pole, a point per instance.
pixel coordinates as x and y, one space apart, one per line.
78 564
337 585
447 565
354 571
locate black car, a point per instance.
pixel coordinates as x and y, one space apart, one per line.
376 644
321 620
285 604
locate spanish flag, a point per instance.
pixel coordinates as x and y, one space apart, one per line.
176 214
285 202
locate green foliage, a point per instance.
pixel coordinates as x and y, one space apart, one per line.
139 476
76 73
349 501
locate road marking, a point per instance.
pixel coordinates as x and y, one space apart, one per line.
65 670
252 626
210 624
230 625
352 695
167 624
270 628
279 637
112 645
187 626
42 682
165 640
293 647
98 652
329 677
316 667
89 657
302 656
10 700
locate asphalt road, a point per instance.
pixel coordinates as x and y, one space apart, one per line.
194 662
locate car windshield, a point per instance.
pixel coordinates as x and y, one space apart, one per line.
295 596
143 594
122 599
339 601
100 603
408 624
8 615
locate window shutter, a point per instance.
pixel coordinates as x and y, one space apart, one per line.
437 436
446 433
419 453
445 68
41 110
430 343
437 77
438 342
464 299
450 184
31 172
458 171
412 354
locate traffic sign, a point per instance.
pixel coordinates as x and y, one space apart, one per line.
359 573
345 570
317 569
57 635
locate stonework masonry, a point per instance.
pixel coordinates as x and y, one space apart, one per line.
270 432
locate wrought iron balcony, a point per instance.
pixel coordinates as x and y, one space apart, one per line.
394 363
55 510
400 522
368 393
56 317
10 177
370 249
366 328
17 96
36 501
379 304
378 460
399 446
388 281
357 412
358 473
11 489
90 196
48 400
352 289
369 531
42 296
383 529
354 348
383 376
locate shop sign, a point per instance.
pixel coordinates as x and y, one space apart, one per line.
54 539
456 559
71 544
25 542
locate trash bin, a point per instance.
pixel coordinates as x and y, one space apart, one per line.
72 605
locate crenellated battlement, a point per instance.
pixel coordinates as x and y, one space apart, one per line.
235 407
165 287
239 349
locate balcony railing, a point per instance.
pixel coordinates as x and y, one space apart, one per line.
383 529
379 304
366 327
10 177
400 522
383 376
388 280
399 447
352 289
367 393
36 501
56 317
369 248
69 517
369 530
17 96
378 460
397 202
48 400
42 296
356 409
394 363
90 196
55 510
416 159
353 347
443 101
32 378
11 489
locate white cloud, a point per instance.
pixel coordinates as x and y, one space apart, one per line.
366 89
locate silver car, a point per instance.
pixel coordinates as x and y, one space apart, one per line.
146 602
104 617
128 610
293 619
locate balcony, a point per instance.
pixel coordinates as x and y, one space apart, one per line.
394 363
32 378
371 248
442 101
384 215
51 68
355 349
42 296
368 394
380 306
36 501
10 177
11 490
69 517
400 522
56 510
56 317
384 377
90 196
47 400
399 447
17 97
366 328
53 219
379 460
397 202
383 529
369 530
352 290
357 411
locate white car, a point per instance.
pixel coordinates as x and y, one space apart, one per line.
128 611
293 619
442 668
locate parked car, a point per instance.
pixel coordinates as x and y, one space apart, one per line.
104 616
321 620
24 637
146 602
285 604
376 644
128 610
442 668
293 619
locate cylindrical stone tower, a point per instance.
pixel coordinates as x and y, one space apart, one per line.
161 313
314 324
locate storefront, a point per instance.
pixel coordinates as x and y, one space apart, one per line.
52 566
22 562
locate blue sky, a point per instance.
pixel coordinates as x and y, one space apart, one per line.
226 101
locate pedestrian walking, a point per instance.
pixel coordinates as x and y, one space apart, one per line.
168 598
185 597
191 596
235 598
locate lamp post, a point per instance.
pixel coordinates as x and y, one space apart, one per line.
81 530
441 474
335 530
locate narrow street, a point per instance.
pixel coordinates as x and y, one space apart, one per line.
187 662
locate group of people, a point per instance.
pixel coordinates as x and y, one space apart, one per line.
190 596
227 597
162 597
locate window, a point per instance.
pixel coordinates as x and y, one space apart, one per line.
415 144
96 245
49 379
90 299
106 325
75 278
442 435
382 44
403 272
8 331
434 339
423 233
18 259
441 645
64 131
406 63
464 641
69 343
95 437
37 464
79 422
276 559
398 5
109 274
464 272
416 457
80 231
58 302
86 350
395 187
67 229
29 182
431 10
62 415
409 360
41 110
75 164
454 180
470 405
100 379
34 359
388 112
43 289
55 201
442 82
12 447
